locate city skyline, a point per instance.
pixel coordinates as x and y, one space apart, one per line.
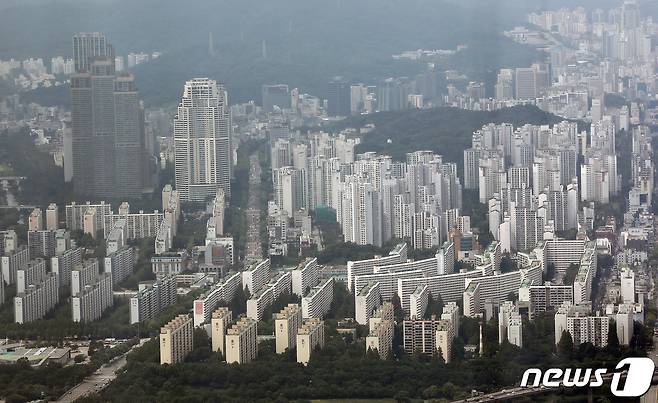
429 200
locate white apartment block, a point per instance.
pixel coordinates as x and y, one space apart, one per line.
206 304
472 300
176 340
90 222
310 337
219 204
451 313
63 264
270 292
581 325
152 298
286 324
445 334
449 287
35 220
560 252
256 276
117 237
318 301
280 284
627 285
365 303
510 324
120 264
32 274
37 300
547 297
52 217
83 274
388 281
138 225
164 237
75 214
8 242
582 286
363 267
13 261
219 324
499 285
624 321
258 302
305 276
446 258
242 342
89 304
418 302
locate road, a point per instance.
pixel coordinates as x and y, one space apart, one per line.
254 251
97 381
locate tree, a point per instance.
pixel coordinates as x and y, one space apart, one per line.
79 358
434 306
507 264
565 346
402 396
613 341
571 273
550 272
431 392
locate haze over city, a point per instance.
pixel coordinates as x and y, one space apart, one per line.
419 200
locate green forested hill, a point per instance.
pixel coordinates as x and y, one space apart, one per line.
446 131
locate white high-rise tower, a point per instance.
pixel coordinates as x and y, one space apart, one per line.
202 136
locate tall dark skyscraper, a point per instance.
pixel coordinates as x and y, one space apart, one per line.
87 46
107 124
338 98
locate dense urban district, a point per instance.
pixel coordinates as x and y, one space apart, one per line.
426 237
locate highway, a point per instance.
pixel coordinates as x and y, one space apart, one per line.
97 381
254 251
